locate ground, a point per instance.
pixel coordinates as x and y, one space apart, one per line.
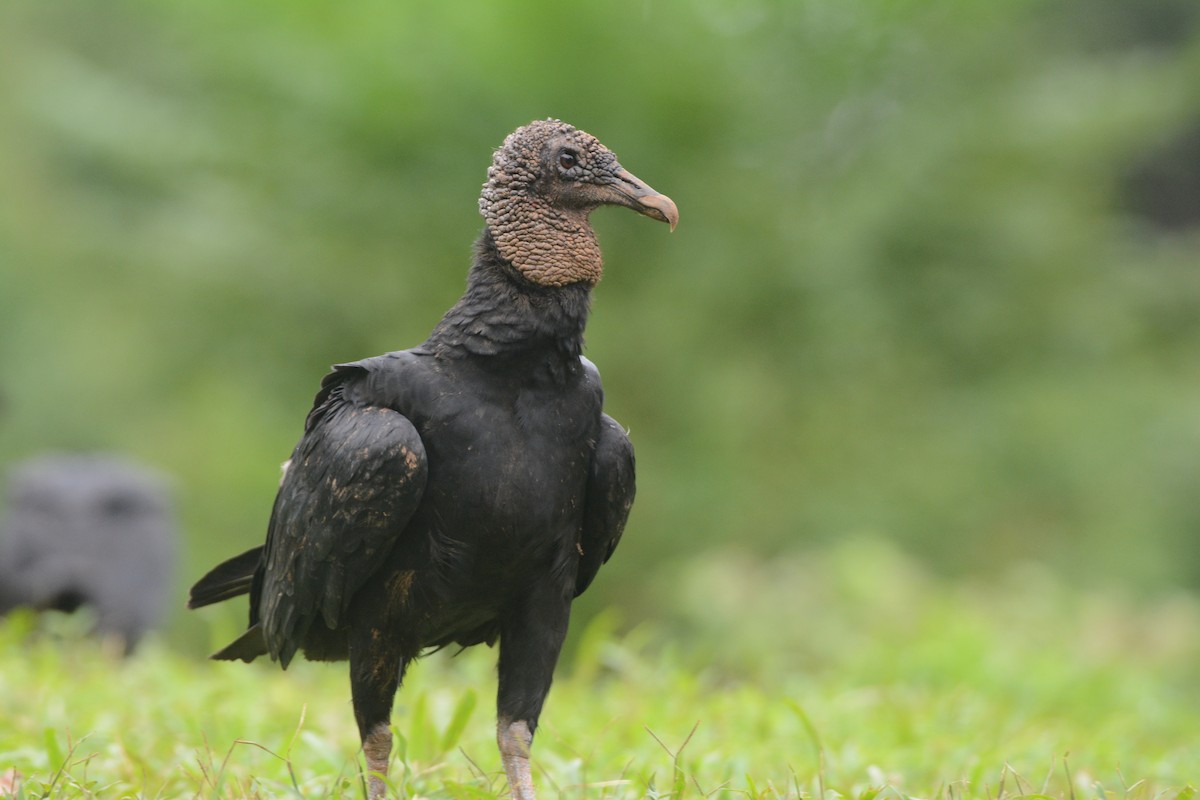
875 680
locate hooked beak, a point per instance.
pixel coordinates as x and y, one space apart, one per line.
630 191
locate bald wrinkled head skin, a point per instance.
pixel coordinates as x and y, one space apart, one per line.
544 181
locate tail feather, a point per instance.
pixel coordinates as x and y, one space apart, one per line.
228 579
247 647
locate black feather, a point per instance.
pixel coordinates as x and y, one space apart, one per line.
226 580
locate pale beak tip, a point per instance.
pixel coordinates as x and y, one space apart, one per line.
663 207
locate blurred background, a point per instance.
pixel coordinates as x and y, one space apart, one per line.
936 287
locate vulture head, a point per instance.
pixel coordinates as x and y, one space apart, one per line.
544 181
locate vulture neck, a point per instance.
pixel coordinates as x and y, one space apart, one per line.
504 315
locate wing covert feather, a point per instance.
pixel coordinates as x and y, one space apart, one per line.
610 492
353 482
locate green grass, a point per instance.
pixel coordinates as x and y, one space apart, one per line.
847 674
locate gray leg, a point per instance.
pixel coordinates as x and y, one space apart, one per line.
531 636
377 746
515 739
376 669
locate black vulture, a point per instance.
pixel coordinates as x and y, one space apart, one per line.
466 490
89 530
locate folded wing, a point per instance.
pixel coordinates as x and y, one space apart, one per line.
353 483
610 491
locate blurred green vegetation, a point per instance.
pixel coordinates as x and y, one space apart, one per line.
911 296
1013 688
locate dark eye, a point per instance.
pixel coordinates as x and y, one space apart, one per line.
567 159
